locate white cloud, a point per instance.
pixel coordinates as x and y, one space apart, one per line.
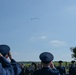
57 43
43 37
37 38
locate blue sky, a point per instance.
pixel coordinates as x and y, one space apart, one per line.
30 27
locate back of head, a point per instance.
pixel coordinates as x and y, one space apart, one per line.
4 49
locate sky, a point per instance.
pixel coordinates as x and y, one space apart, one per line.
31 27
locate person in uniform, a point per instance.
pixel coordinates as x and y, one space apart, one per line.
47 65
61 68
72 68
6 67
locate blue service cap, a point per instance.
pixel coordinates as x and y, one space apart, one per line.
72 61
46 57
4 49
60 61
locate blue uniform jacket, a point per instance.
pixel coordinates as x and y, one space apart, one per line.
72 70
16 66
46 71
61 70
9 68
5 67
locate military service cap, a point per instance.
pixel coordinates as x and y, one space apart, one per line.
4 49
72 61
46 57
60 61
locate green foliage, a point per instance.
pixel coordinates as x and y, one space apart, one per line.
73 49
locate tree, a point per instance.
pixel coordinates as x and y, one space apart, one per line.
73 49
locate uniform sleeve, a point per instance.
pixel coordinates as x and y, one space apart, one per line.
55 71
5 67
4 62
16 66
1 70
